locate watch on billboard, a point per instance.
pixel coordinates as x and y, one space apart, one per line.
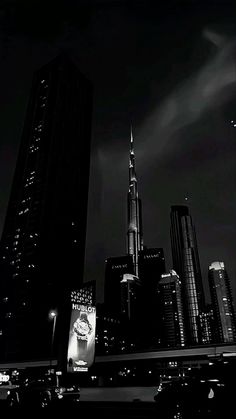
81 345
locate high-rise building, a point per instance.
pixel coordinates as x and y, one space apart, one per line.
135 233
207 328
222 302
130 296
187 265
43 241
115 268
151 267
109 332
171 310
121 273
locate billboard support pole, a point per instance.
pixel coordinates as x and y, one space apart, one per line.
53 315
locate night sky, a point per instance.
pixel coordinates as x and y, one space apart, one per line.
171 72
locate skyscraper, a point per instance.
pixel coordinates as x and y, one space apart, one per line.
171 310
43 241
135 234
120 290
207 326
151 267
187 265
222 302
115 268
130 296
109 332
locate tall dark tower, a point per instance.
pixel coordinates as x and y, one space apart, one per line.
151 268
186 264
43 241
135 234
222 302
115 268
171 310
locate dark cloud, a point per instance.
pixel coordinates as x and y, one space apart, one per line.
42 19
208 89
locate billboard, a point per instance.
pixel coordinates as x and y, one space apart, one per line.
81 345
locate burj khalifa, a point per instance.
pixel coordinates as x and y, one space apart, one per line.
135 233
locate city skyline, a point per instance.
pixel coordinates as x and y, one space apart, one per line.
176 84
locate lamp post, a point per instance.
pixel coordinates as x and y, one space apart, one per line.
53 316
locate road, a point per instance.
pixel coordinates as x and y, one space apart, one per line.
118 410
104 410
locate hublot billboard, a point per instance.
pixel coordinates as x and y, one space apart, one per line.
81 345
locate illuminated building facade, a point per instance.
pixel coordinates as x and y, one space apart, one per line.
85 295
207 328
134 234
187 265
222 302
171 311
43 241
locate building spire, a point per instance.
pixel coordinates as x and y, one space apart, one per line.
132 174
135 242
131 140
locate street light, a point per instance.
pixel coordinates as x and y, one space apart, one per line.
52 316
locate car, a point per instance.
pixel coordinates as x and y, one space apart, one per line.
165 384
194 397
5 388
42 393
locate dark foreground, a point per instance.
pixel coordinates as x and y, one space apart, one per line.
112 410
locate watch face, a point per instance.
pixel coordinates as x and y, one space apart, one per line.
82 328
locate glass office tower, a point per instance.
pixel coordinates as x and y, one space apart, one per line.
43 241
222 302
186 264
